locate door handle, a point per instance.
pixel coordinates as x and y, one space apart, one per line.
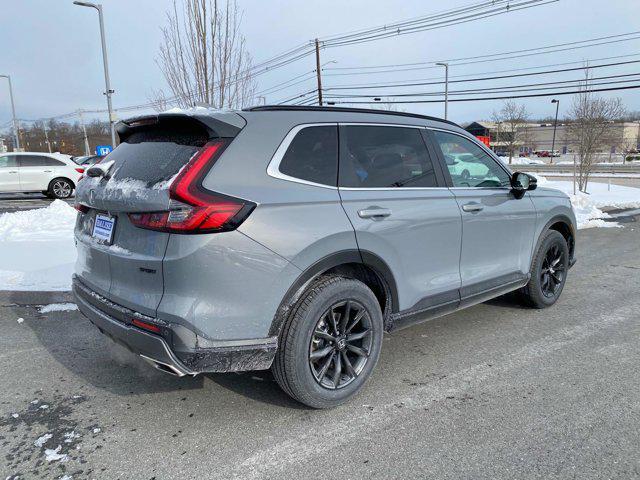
13 171
472 207
48 171
374 212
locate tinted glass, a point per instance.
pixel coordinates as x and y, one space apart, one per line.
52 162
155 155
313 155
377 157
7 161
32 161
468 164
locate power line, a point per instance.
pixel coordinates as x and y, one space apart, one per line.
480 57
550 94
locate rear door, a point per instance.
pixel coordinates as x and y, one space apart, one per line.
498 228
9 176
136 180
34 172
394 195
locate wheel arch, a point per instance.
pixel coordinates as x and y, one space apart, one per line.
61 177
563 225
361 265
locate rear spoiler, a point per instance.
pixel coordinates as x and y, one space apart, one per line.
217 124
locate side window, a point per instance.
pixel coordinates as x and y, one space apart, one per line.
313 155
385 157
32 161
7 161
468 164
52 162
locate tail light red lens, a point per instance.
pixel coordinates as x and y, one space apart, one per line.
81 208
193 209
146 326
79 170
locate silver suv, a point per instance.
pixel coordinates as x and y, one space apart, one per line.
292 238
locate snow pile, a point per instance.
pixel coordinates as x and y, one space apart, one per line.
55 455
58 307
521 161
37 250
587 206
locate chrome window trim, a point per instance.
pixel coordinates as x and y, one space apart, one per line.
273 169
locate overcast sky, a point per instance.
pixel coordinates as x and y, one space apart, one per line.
51 48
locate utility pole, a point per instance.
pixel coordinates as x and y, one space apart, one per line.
446 87
16 138
107 82
46 135
318 74
87 151
555 124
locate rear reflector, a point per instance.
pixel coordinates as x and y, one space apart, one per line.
146 326
193 209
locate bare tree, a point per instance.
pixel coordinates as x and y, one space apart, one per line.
158 100
511 119
203 56
591 128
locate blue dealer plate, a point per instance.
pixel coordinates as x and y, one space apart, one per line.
103 228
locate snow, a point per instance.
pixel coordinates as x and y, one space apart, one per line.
15 415
37 250
521 161
42 440
587 206
55 455
20 320
58 307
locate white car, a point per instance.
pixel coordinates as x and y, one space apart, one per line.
466 165
53 174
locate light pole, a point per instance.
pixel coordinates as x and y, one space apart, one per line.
107 82
555 124
16 139
446 87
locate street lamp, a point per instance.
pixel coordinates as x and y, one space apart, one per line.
446 86
16 139
555 124
107 82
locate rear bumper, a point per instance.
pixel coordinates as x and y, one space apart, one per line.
226 356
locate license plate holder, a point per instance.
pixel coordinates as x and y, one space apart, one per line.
103 228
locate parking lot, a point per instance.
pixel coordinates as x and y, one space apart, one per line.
493 391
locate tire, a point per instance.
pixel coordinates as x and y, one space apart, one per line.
60 188
465 175
547 276
306 332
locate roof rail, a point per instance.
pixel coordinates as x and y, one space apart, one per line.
312 108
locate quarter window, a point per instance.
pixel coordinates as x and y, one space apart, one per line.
313 155
468 164
385 157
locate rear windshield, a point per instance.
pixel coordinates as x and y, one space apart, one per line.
156 155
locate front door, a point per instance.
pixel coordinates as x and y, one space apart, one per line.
394 195
498 228
9 176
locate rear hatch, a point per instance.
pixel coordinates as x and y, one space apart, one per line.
123 199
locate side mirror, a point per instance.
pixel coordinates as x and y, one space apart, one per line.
521 183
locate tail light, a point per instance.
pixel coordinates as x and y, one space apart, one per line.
193 209
146 326
79 170
81 208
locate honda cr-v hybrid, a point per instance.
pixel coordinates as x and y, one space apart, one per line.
292 238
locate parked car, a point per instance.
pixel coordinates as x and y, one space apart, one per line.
291 238
53 174
465 165
632 157
88 160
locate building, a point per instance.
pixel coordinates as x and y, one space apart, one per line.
533 137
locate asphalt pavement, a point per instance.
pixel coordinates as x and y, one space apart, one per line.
494 391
